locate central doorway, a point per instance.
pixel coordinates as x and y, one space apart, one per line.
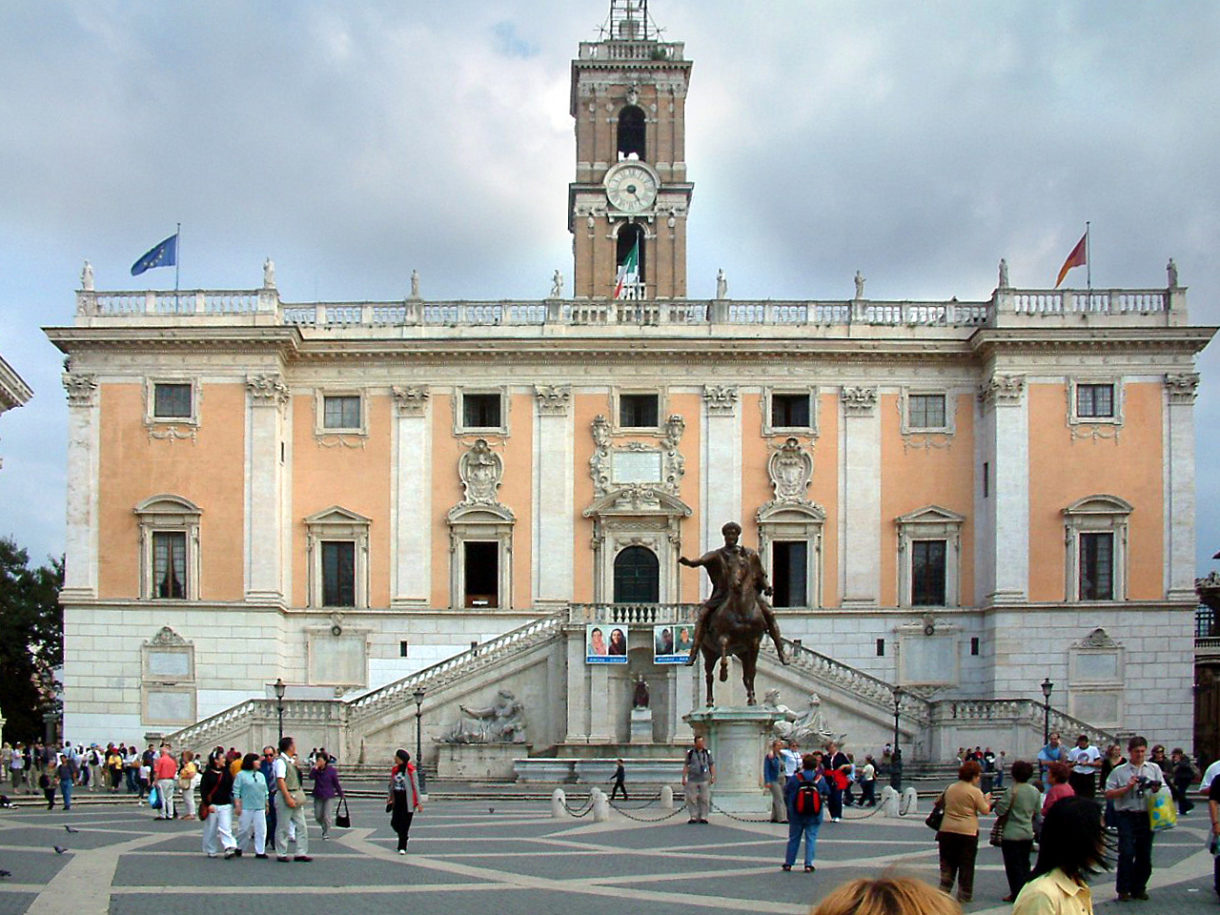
637 576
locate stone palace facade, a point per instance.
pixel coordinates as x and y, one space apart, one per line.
367 499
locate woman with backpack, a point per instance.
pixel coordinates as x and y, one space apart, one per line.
805 795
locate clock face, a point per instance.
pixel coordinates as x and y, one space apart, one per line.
631 188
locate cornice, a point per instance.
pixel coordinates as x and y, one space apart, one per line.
1189 339
144 339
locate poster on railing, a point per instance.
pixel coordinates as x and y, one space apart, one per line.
605 644
671 643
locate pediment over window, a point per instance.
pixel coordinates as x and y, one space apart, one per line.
337 515
635 501
932 514
1100 505
167 504
494 513
1098 638
780 512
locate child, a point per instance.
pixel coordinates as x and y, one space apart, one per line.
46 782
145 780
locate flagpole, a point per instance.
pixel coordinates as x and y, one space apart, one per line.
1088 262
177 258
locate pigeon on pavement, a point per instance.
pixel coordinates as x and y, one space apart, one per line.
69 828
59 849
4 874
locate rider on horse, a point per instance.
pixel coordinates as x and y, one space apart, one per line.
719 564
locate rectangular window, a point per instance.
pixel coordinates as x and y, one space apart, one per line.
402 649
928 573
926 411
482 573
974 646
986 479
1095 400
169 564
638 411
172 401
1097 566
881 648
341 412
338 573
481 411
790 411
789 573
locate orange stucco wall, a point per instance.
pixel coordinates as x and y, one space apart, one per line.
913 477
1064 469
516 490
355 478
823 488
134 466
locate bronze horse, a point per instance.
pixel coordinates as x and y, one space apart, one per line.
735 628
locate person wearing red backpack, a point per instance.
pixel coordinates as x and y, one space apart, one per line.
805 795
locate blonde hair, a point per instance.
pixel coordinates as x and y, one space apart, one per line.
889 894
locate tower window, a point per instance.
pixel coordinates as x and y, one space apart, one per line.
631 133
631 238
638 411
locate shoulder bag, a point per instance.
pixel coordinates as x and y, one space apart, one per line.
937 814
997 830
205 809
343 818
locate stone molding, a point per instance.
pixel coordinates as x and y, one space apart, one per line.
790 468
1182 387
721 399
81 389
267 390
1002 390
673 464
410 399
1098 638
166 638
553 399
481 471
859 401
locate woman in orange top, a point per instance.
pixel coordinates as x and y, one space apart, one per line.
958 836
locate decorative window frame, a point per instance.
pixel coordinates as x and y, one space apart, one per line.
337 523
637 516
166 641
167 427
794 522
810 431
1096 514
662 395
904 407
1074 419
322 433
486 523
930 523
459 410
167 513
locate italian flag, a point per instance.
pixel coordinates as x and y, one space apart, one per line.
629 270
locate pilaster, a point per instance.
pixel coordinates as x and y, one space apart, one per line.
578 705
860 544
1180 390
554 511
411 499
267 399
720 482
81 540
1006 548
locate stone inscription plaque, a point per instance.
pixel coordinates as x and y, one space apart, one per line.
636 467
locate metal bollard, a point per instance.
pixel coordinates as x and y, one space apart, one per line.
559 804
667 797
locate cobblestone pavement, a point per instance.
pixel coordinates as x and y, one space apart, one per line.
464 857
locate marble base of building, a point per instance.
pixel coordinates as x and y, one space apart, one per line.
737 739
479 761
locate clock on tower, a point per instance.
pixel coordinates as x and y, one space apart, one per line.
630 198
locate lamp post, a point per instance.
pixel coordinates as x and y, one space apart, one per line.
896 754
279 705
1047 687
418 695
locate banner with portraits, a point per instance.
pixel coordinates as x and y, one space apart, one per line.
671 642
605 643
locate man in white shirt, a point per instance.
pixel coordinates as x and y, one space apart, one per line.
1129 786
289 804
792 759
1208 776
1085 760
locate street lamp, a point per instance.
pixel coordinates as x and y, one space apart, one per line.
895 753
1047 687
279 704
418 695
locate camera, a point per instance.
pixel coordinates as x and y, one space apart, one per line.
1145 784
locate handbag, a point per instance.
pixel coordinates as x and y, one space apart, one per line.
937 815
1161 814
997 830
154 798
205 808
343 818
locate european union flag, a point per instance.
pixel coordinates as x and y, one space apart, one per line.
163 255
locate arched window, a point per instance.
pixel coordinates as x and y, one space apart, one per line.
634 280
637 575
631 133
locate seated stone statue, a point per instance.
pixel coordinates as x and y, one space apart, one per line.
501 722
807 728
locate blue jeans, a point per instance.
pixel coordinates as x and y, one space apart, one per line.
65 787
1134 852
797 827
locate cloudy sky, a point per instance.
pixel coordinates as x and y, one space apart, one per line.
354 141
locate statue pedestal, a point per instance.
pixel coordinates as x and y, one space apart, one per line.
641 725
478 760
737 737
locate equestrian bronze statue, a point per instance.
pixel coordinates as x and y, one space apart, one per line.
734 619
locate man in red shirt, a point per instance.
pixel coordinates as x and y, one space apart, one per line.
165 771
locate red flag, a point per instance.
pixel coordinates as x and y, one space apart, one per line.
1078 258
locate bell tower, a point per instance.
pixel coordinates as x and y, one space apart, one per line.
628 204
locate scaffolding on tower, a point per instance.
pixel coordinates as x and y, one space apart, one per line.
629 21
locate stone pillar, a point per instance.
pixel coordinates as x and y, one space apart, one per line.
267 400
601 715
720 481
737 738
80 545
1006 545
1180 486
860 545
578 698
411 500
554 514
